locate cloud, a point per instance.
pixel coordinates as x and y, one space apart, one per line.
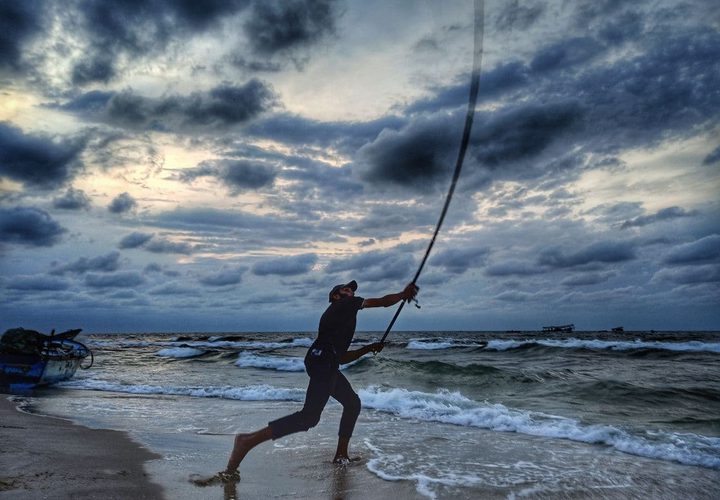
221 107
173 288
565 54
29 226
237 175
36 282
375 266
122 203
459 260
713 157
20 22
283 26
135 239
662 215
127 29
286 266
689 275
698 252
227 275
586 279
513 267
514 16
38 160
73 199
105 263
121 279
161 245
603 252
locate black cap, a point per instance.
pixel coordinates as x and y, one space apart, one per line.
336 288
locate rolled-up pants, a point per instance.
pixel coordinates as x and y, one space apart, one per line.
325 381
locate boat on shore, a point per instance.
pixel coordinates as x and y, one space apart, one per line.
29 358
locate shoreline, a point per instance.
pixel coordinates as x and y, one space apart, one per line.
51 457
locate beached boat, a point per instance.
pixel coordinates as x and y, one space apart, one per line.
29 358
559 328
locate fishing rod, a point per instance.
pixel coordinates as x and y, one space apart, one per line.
472 101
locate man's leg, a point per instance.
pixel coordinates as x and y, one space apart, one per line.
346 396
316 397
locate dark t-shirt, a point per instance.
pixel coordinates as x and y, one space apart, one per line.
337 324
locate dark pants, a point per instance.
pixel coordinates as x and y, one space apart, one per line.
325 381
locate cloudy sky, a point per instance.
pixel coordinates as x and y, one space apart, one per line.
219 165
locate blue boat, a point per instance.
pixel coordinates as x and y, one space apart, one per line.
29 358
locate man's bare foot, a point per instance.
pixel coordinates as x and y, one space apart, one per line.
243 444
344 460
229 476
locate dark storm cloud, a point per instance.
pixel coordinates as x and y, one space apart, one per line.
668 213
161 245
666 86
20 21
105 263
237 175
375 266
135 28
601 252
345 136
515 15
689 275
412 156
286 266
698 252
713 157
616 212
173 288
135 239
73 199
29 226
38 160
523 132
121 279
227 275
586 279
459 260
37 282
122 203
565 54
513 267
277 26
222 106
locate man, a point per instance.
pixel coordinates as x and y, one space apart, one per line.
322 361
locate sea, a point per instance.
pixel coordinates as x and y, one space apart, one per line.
449 414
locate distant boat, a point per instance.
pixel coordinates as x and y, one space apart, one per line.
618 329
29 358
559 328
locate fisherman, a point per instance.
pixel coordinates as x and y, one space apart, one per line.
322 362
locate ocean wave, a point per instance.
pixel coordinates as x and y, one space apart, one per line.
453 408
434 344
200 344
179 352
284 364
246 393
614 345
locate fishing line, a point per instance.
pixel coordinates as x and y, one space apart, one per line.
474 87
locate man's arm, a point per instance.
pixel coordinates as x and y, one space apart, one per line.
393 298
351 356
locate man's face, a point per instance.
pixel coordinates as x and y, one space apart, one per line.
345 292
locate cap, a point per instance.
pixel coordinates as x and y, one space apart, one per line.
336 288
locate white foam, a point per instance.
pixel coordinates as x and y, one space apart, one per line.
179 352
246 393
453 408
284 364
615 345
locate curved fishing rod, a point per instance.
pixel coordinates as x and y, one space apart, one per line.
472 101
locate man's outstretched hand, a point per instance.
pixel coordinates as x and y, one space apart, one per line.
410 291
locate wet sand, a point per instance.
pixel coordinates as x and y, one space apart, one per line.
47 457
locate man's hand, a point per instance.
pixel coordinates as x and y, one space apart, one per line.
375 347
410 291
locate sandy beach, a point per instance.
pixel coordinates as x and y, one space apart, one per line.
47 457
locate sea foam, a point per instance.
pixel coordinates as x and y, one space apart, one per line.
453 408
285 364
615 345
179 352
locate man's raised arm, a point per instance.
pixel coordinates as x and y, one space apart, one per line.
389 300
